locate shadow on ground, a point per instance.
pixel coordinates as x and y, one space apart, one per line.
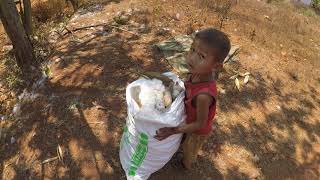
83 110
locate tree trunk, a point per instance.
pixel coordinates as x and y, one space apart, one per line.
75 4
22 47
27 17
20 7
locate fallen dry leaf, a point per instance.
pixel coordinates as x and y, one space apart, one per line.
234 76
59 152
237 83
267 17
49 160
246 79
244 74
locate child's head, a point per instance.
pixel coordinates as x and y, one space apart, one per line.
208 51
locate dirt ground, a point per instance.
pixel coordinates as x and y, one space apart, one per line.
269 129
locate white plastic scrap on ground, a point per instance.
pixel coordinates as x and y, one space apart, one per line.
88 12
27 96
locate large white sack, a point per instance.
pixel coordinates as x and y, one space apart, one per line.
140 153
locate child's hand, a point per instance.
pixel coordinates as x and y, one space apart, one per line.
165 132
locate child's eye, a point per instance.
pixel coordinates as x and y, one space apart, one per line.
201 56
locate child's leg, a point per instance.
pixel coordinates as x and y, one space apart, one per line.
191 146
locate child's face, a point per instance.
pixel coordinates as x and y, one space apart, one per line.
201 58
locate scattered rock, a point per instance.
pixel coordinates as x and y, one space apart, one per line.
136 10
100 28
43 53
58 59
143 28
121 19
105 33
178 17
129 12
53 37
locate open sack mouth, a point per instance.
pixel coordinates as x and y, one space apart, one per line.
156 93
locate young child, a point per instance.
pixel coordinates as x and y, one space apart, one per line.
209 49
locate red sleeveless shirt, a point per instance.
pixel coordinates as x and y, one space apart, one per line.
192 90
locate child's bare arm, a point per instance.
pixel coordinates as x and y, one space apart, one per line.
203 103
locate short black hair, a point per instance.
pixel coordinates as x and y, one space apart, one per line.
215 39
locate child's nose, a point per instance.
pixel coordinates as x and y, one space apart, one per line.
193 57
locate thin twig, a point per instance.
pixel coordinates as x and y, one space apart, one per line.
69 31
99 106
15 161
236 52
7 165
86 27
50 160
124 30
96 122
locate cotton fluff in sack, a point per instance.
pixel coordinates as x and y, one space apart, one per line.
151 95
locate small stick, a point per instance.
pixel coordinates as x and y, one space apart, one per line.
96 122
15 161
50 160
69 31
